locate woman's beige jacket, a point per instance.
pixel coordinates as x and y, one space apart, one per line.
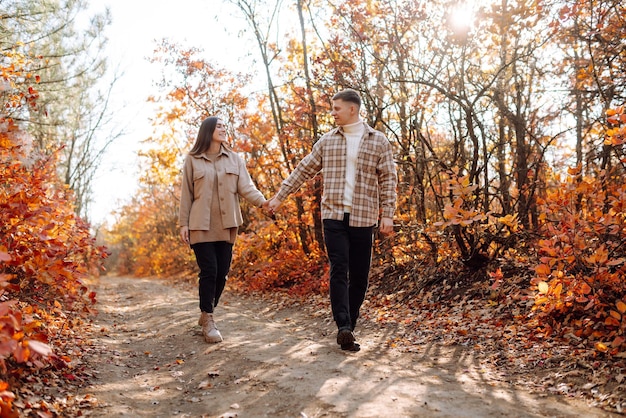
197 190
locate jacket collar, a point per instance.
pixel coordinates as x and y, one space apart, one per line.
223 151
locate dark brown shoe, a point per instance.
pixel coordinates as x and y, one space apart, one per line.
351 347
345 336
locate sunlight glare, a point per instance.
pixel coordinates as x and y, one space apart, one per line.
462 17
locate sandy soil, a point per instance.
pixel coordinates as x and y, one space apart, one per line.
149 359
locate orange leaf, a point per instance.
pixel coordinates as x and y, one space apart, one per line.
610 321
450 212
621 306
585 289
21 354
543 270
572 171
496 275
616 262
619 340
601 347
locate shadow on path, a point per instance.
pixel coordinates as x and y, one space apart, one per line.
151 360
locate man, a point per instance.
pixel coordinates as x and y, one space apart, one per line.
359 185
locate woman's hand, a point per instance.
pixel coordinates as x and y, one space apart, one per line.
184 234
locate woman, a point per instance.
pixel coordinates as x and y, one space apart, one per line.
213 178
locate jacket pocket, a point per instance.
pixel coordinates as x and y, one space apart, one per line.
198 174
231 178
199 180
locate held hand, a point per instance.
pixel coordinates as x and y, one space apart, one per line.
266 208
386 226
184 234
273 204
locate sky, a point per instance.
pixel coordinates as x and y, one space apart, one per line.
207 24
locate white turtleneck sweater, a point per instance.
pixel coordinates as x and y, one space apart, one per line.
353 134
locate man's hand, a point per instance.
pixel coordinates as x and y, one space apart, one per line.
386 226
273 204
184 234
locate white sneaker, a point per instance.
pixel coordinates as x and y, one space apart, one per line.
213 336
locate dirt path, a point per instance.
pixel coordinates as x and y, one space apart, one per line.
150 360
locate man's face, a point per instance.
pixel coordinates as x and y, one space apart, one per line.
344 112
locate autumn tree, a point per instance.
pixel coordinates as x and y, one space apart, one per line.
580 290
589 34
262 18
73 112
46 250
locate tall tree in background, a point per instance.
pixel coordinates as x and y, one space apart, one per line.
591 37
313 125
264 19
72 111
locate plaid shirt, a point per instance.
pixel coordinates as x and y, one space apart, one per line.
376 178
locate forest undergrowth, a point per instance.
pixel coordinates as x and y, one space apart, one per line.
497 326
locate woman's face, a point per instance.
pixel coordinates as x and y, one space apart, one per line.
219 135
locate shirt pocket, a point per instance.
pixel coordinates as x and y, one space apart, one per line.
369 161
367 176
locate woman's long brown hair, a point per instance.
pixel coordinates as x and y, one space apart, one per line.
205 135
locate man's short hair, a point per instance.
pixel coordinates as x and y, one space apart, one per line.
348 95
